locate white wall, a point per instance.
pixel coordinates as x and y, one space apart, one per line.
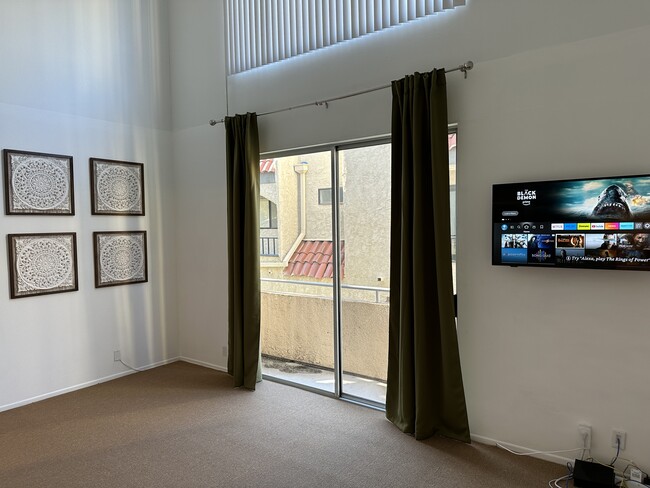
198 93
88 79
543 349
559 90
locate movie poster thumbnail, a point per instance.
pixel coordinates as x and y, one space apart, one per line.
634 245
569 248
602 245
569 256
570 241
541 249
514 248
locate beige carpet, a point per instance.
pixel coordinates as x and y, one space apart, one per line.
182 425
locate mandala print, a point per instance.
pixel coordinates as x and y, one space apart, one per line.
44 263
39 183
121 258
118 188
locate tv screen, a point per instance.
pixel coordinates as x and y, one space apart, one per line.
601 223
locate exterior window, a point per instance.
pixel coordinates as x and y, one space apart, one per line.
452 142
325 196
266 31
268 214
267 178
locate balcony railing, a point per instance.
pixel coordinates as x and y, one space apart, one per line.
268 246
377 291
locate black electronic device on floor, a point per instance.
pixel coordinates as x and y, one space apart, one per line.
592 475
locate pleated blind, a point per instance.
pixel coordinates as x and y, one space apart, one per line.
265 31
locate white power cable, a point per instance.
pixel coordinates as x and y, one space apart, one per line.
131 367
531 453
554 483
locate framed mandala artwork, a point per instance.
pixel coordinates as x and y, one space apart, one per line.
42 263
38 183
116 187
120 258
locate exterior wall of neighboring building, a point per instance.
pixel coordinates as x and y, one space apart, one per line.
365 215
269 191
284 193
365 179
319 217
288 183
452 197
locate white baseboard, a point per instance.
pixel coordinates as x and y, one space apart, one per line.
70 389
203 363
546 457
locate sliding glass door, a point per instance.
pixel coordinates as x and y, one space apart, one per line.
296 268
325 267
324 264
364 230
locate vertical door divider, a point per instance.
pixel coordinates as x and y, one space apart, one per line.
336 282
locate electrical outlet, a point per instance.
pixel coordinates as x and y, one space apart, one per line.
117 356
584 432
224 351
618 439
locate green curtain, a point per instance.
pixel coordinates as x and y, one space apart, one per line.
243 173
425 393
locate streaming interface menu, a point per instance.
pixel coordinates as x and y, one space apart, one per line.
588 244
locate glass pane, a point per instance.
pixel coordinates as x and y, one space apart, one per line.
364 175
274 215
325 196
264 214
452 200
297 288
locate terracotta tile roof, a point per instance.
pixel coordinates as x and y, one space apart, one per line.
451 140
314 259
267 165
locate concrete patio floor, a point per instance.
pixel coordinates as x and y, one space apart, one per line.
323 379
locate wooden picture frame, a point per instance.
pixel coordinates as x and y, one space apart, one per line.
38 183
41 264
120 258
116 187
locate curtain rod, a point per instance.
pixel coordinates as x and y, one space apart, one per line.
464 68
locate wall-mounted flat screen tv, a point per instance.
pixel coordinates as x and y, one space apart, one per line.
601 223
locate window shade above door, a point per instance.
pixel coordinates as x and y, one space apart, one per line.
261 32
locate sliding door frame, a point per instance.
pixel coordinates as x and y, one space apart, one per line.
334 150
336 232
